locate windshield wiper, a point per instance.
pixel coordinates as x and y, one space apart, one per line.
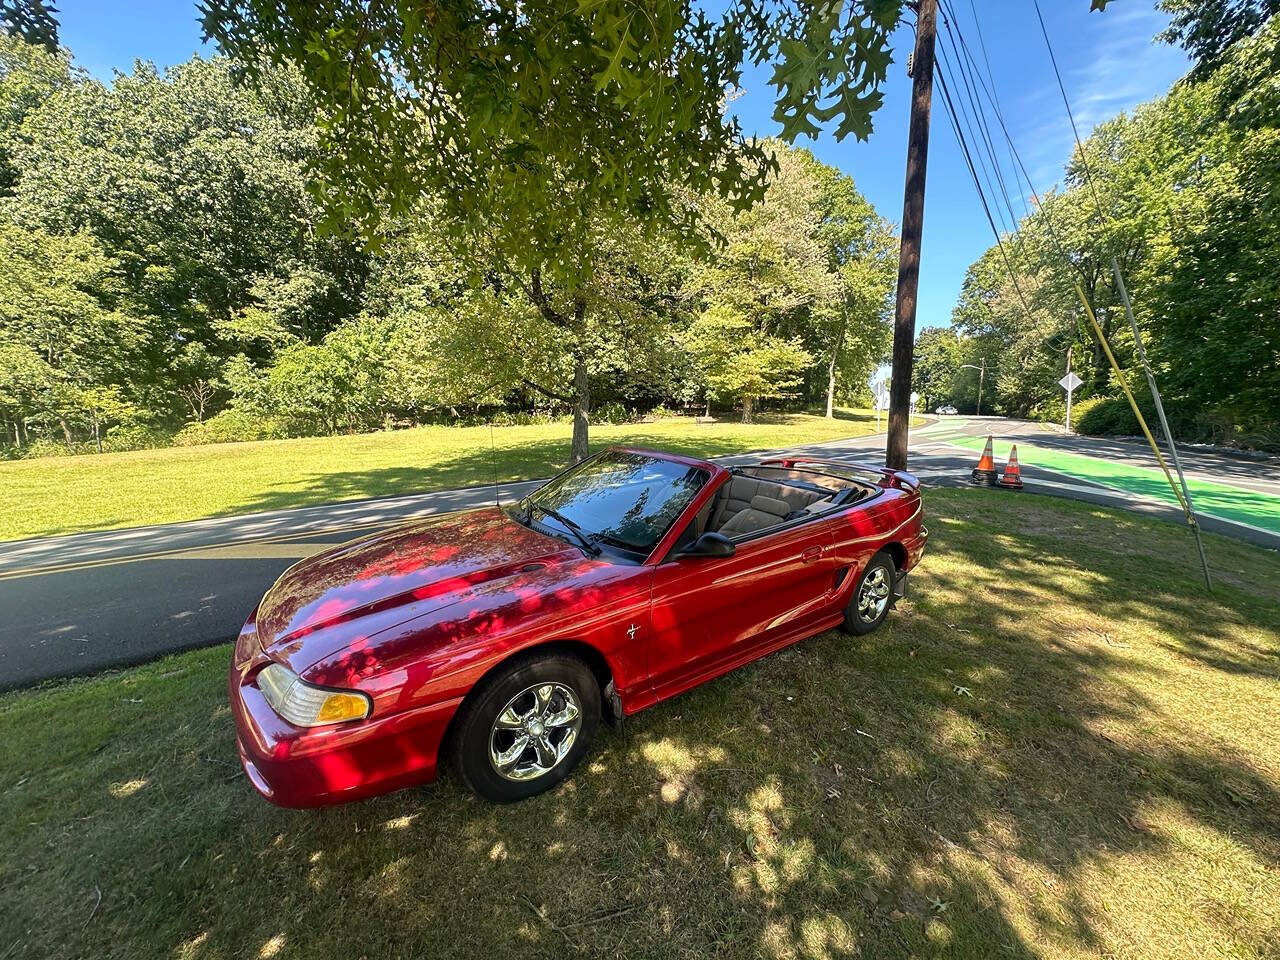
569 525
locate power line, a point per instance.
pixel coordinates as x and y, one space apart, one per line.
993 98
971 126
1075 131
974 80
986 208
1184 497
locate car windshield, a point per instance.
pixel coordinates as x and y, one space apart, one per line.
626 500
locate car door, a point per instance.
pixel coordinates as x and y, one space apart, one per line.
711 614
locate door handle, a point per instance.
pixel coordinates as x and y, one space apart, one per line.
811 554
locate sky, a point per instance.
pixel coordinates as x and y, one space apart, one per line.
1110 63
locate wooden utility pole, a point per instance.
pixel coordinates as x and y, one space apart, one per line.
904 319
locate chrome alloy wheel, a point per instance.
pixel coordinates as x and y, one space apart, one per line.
873 596
534 731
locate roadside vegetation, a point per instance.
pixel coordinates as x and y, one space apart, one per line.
165 277
1059 747
53 495
1189 183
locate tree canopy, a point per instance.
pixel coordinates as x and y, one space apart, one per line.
534 124
1207 29
163 268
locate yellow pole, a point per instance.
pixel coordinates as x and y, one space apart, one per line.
1124 385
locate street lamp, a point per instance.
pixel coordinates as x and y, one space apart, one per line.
982 373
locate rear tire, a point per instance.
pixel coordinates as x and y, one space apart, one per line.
527 727
872 596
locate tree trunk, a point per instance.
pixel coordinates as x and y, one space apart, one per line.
66 432
576 326
831 372
581 407
748 409
97 434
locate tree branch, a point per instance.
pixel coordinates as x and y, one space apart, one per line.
562 397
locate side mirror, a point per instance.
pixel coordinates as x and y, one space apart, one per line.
710 544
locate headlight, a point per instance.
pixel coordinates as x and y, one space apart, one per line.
305 705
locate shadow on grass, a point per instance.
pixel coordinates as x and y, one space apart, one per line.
1035 758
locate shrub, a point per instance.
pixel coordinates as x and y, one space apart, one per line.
231 426
1052 411
48 447
1108 417
135 437
518 418
612 412
1112 416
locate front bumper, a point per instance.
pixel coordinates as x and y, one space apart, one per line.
316 766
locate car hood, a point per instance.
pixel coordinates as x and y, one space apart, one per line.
345 595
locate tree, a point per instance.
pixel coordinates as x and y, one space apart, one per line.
32 21
762 289
29 75
529 115
741 360
1211 306
935 369
196 374
103 405
541 131
198 189
1207 29
1188 188
862 252
25 379
59 300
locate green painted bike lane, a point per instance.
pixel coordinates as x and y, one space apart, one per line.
1212 499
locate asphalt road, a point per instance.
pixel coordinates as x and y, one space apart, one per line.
85 602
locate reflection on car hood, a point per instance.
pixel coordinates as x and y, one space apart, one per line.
380 581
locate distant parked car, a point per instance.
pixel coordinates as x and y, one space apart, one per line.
501 636
947 410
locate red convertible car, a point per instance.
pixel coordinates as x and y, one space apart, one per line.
499 638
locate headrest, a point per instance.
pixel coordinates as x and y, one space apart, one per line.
779 508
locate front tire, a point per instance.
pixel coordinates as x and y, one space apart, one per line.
872 597
525 730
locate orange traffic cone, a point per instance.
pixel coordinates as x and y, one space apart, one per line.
1012 479
984 474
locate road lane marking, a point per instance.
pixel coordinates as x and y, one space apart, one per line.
255 551
178 552
1216 498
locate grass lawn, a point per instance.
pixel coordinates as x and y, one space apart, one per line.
1059 747
67 494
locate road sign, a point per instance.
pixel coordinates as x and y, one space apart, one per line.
881 391
1069 384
